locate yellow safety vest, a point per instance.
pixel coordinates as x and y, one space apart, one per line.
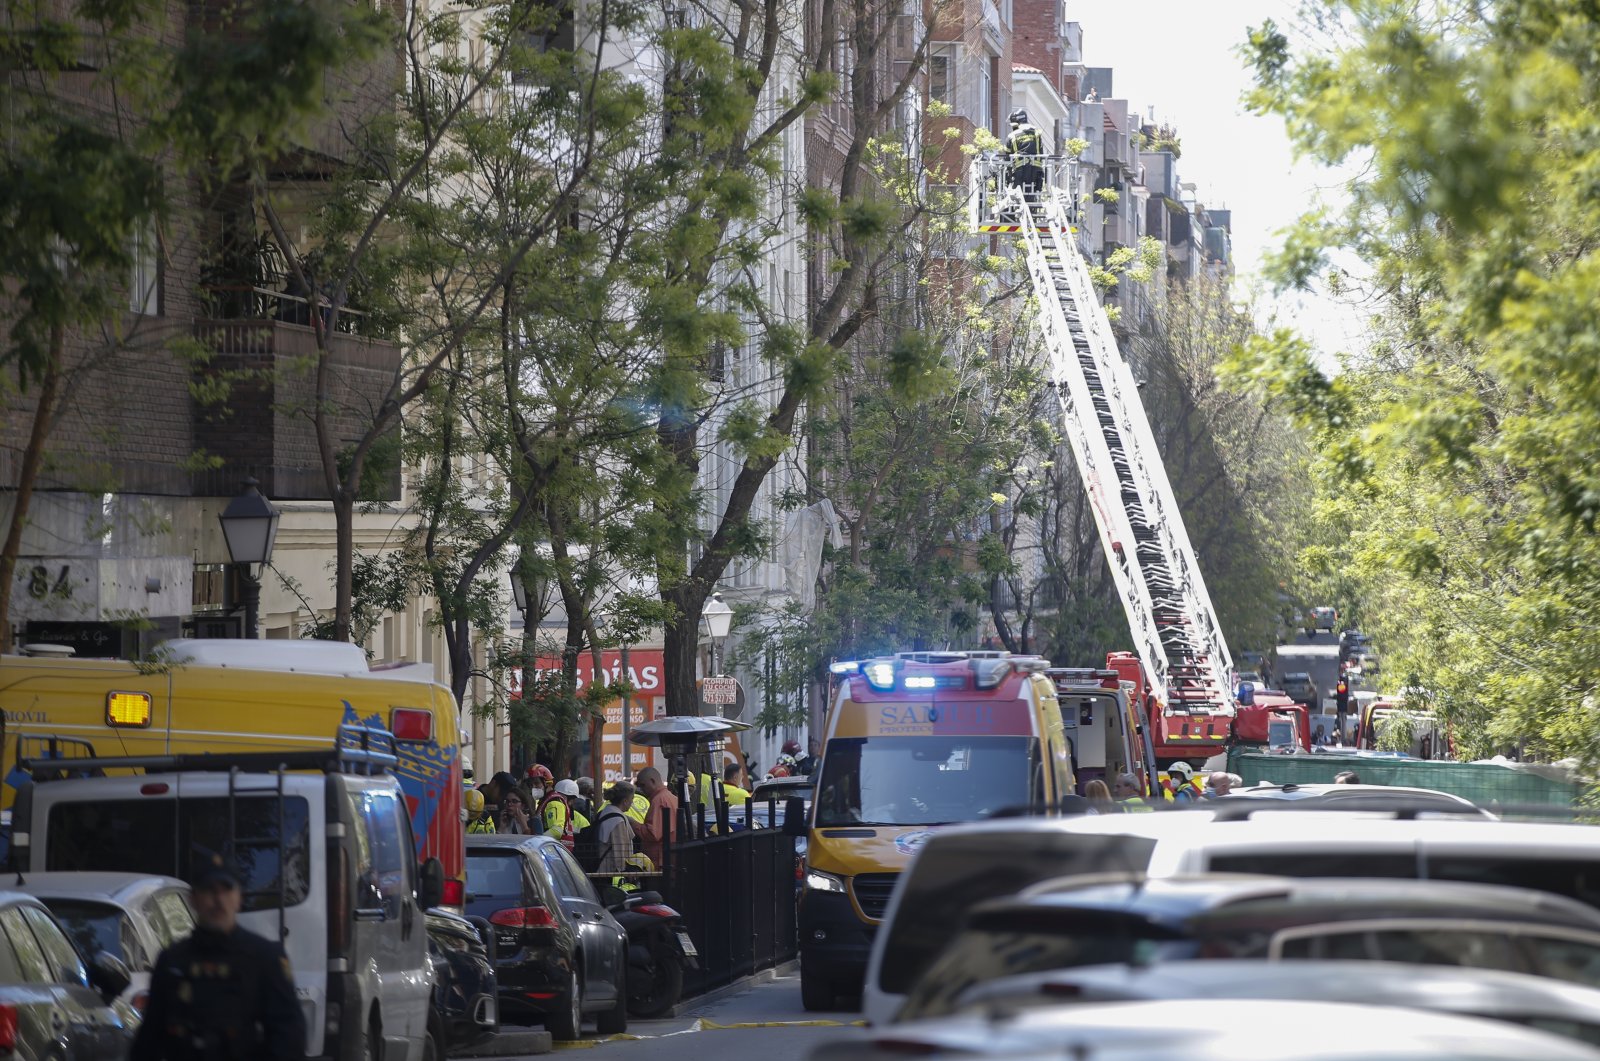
1137 805
640 811
737 797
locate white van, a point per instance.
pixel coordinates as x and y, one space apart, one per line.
965 865
326 859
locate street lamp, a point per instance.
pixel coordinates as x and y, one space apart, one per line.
519 596
250 528
719 620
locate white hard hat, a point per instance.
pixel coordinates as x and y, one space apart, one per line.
566 787
1177 769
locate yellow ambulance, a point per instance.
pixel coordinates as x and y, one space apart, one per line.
915 741
234 695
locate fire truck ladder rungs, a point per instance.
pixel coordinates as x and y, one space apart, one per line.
1152 561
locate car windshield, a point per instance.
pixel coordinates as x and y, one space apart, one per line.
975 957
922 780
97 927
955 872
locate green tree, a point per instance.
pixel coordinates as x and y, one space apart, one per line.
1459 451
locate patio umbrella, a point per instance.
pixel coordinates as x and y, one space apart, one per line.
682 730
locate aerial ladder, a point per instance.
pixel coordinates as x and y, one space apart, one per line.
1187 670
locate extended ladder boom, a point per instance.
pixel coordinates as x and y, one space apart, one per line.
1152 561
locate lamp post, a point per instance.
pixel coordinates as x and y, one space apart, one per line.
250 528
719 620
519 597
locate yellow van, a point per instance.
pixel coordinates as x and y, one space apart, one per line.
232 695
915 741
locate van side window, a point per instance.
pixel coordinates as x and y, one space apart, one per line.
387 878
30 956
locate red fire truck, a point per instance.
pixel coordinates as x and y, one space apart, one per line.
1174 735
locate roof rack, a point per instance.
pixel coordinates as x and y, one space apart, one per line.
364 750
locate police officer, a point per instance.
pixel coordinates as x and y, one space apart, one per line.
223 994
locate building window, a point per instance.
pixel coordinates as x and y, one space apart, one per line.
985 113
144 278
941 77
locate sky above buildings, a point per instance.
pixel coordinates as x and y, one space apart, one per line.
1182 58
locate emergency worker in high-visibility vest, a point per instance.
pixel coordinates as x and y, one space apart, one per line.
1125 790
1186 787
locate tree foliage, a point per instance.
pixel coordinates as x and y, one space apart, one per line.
1459 452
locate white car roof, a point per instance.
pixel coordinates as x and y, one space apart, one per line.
122 889
1220 1029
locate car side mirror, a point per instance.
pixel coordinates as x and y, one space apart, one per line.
430 884
109 975
794 817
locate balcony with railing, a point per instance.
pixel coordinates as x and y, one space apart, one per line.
263 356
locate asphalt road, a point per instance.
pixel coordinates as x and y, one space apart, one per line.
764 1022
1317 655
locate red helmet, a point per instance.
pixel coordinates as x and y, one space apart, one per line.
791 747
540 772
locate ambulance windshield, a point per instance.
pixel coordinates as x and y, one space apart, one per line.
922 780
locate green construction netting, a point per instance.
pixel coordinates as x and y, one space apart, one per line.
1482 783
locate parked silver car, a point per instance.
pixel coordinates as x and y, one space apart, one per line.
130 916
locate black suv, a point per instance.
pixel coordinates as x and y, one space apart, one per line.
559 954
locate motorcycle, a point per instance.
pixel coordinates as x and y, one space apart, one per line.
659 950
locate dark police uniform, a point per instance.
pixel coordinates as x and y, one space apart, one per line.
220 996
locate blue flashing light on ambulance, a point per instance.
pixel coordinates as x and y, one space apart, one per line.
913 742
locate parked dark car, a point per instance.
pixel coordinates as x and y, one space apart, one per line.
559 954
466 1004
46 987
1080 921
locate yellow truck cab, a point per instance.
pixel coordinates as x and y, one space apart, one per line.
915 741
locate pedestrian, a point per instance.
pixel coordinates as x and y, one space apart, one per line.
558 816
1186 786
1346 777
1125 790
653 832
616 837
515 818
585 804
813 758
1099 797
1025 147
495 792
1319 737
224 993
1219 783
736 796
477 820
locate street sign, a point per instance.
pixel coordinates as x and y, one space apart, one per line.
719 691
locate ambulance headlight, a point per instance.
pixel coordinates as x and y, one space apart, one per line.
818 881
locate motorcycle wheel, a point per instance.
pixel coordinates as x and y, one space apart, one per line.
655 990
